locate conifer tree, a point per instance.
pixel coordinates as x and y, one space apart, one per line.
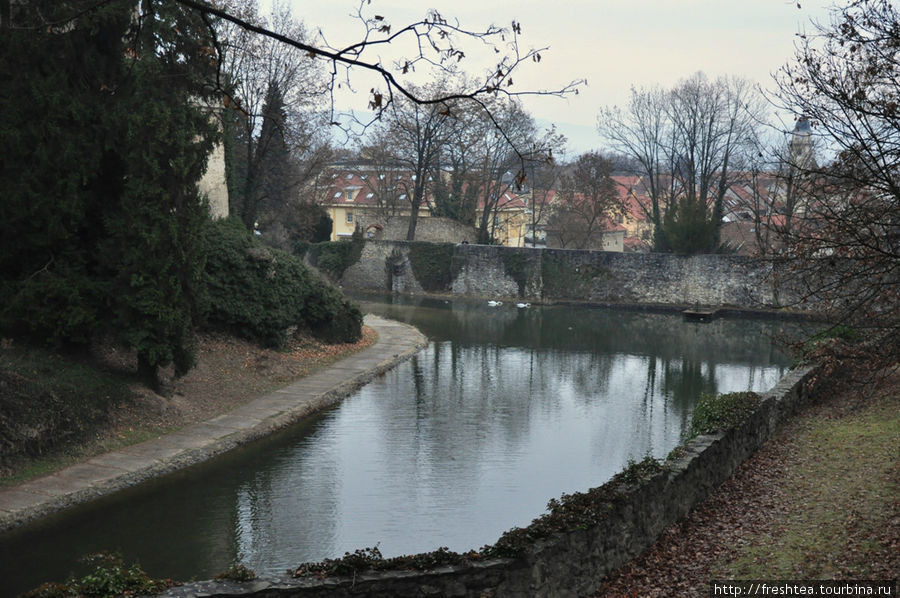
101 219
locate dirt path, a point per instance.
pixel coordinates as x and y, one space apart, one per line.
819 501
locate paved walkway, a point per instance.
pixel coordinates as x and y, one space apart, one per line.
114 471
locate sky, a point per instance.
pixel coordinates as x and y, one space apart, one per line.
613 44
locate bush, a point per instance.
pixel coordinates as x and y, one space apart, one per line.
110 578
238 572
261 293
715 413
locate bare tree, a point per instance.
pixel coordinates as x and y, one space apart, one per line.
544 170
497 161
456 178
384 181
642 132
588 200
686 141
274 124
413 134
845 251
439 46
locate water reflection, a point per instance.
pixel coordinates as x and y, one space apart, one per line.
505 409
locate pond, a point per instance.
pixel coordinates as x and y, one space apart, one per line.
505 409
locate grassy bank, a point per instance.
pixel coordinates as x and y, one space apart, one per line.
57 410
50 404
842 489
818 501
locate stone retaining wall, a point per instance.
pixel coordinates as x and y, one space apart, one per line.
552 275
566 564
432 228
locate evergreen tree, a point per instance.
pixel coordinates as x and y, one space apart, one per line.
101 219
277 170
55 165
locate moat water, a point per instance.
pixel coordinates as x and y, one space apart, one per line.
505 409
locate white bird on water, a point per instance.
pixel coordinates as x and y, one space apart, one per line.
495 303
523 305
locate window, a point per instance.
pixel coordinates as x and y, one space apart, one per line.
349 217
337 195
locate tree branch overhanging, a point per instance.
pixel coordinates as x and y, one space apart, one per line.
499 82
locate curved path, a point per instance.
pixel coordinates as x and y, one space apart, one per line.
192 444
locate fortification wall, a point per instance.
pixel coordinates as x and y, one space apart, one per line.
552 275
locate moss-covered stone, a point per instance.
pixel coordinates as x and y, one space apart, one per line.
563 279
433 265
518 265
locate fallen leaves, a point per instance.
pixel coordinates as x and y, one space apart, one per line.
755 520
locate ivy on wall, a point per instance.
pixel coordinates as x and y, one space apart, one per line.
434 265
563 279
518 265
334 257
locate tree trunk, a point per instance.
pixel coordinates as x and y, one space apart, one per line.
148 373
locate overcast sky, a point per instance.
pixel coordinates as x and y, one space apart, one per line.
614 44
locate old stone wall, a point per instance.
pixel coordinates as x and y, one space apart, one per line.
428 228
550 275
383 266
573 563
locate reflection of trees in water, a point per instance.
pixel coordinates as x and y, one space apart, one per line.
597 330
685 380
268 502
560 352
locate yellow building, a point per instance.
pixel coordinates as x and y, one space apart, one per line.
379 205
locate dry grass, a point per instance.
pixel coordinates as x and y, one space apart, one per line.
230 372
819 501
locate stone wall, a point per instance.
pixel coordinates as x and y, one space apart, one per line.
428 228
573 563
550 275
213 183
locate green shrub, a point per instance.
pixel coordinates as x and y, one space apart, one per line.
110 578
238 572
58 305
261 293
370 559
715 413
433 265
638 471
576 511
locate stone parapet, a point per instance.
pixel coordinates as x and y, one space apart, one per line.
572 563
